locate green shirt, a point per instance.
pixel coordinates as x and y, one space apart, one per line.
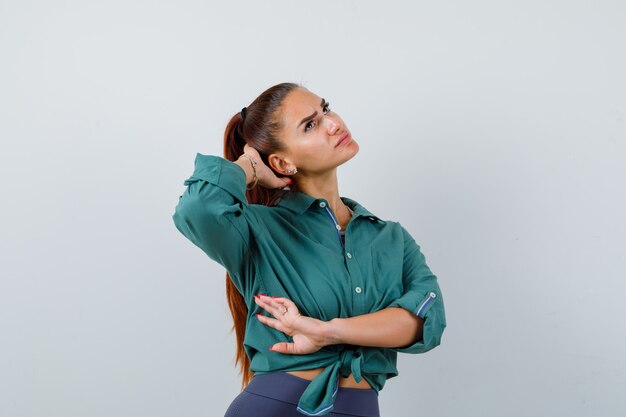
295 250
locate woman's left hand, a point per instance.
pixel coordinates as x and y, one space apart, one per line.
307 333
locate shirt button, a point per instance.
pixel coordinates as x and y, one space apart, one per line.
358 290
338 227
432 295
349 255
322 204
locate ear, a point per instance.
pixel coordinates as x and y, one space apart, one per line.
279 164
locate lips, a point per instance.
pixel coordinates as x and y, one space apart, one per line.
344 138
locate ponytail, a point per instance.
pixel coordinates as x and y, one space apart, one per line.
263 132
233 148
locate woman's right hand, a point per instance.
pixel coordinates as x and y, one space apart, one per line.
266 176
308 334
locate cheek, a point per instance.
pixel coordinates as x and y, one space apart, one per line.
313 148
313 154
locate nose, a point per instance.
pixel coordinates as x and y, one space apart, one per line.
332 125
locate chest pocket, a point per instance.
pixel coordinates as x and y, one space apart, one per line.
386 269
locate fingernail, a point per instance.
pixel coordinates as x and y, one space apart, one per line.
258 314
263 295
274 296
271 348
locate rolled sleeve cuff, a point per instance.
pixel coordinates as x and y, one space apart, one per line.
220 171
428 306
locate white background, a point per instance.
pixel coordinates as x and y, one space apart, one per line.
493 130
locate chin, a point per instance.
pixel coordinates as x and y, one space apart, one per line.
354 147
351 154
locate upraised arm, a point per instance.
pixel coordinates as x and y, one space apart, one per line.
212 213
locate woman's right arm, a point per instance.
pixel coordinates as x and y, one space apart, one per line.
210 212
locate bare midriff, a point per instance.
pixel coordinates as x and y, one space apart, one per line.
348 382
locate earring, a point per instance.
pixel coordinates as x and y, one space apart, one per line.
291 171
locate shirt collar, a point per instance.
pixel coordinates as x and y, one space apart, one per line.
299 202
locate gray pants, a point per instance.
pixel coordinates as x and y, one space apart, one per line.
277 394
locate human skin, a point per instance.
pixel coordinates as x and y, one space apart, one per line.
391 327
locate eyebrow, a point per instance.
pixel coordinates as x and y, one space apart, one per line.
306 119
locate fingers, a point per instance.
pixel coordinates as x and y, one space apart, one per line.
283 309
249 149
281 182
274 323
267 177
270 304
284 347
289 321
275 305
282 301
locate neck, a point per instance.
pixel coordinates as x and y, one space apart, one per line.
323 186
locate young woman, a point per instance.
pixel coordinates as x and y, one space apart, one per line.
323 293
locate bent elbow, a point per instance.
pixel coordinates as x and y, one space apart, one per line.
194 218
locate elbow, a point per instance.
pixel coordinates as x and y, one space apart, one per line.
434 340
434 332
194 220
181 222
183 218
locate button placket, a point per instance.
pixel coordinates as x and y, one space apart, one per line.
351 265
323 205
356 282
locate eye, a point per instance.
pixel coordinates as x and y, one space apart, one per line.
312 123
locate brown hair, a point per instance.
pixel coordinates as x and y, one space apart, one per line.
259 129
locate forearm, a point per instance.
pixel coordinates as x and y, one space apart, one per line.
388 328
245 164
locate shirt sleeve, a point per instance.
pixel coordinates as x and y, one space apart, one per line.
210 213
422 296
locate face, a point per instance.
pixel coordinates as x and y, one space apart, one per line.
315 137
